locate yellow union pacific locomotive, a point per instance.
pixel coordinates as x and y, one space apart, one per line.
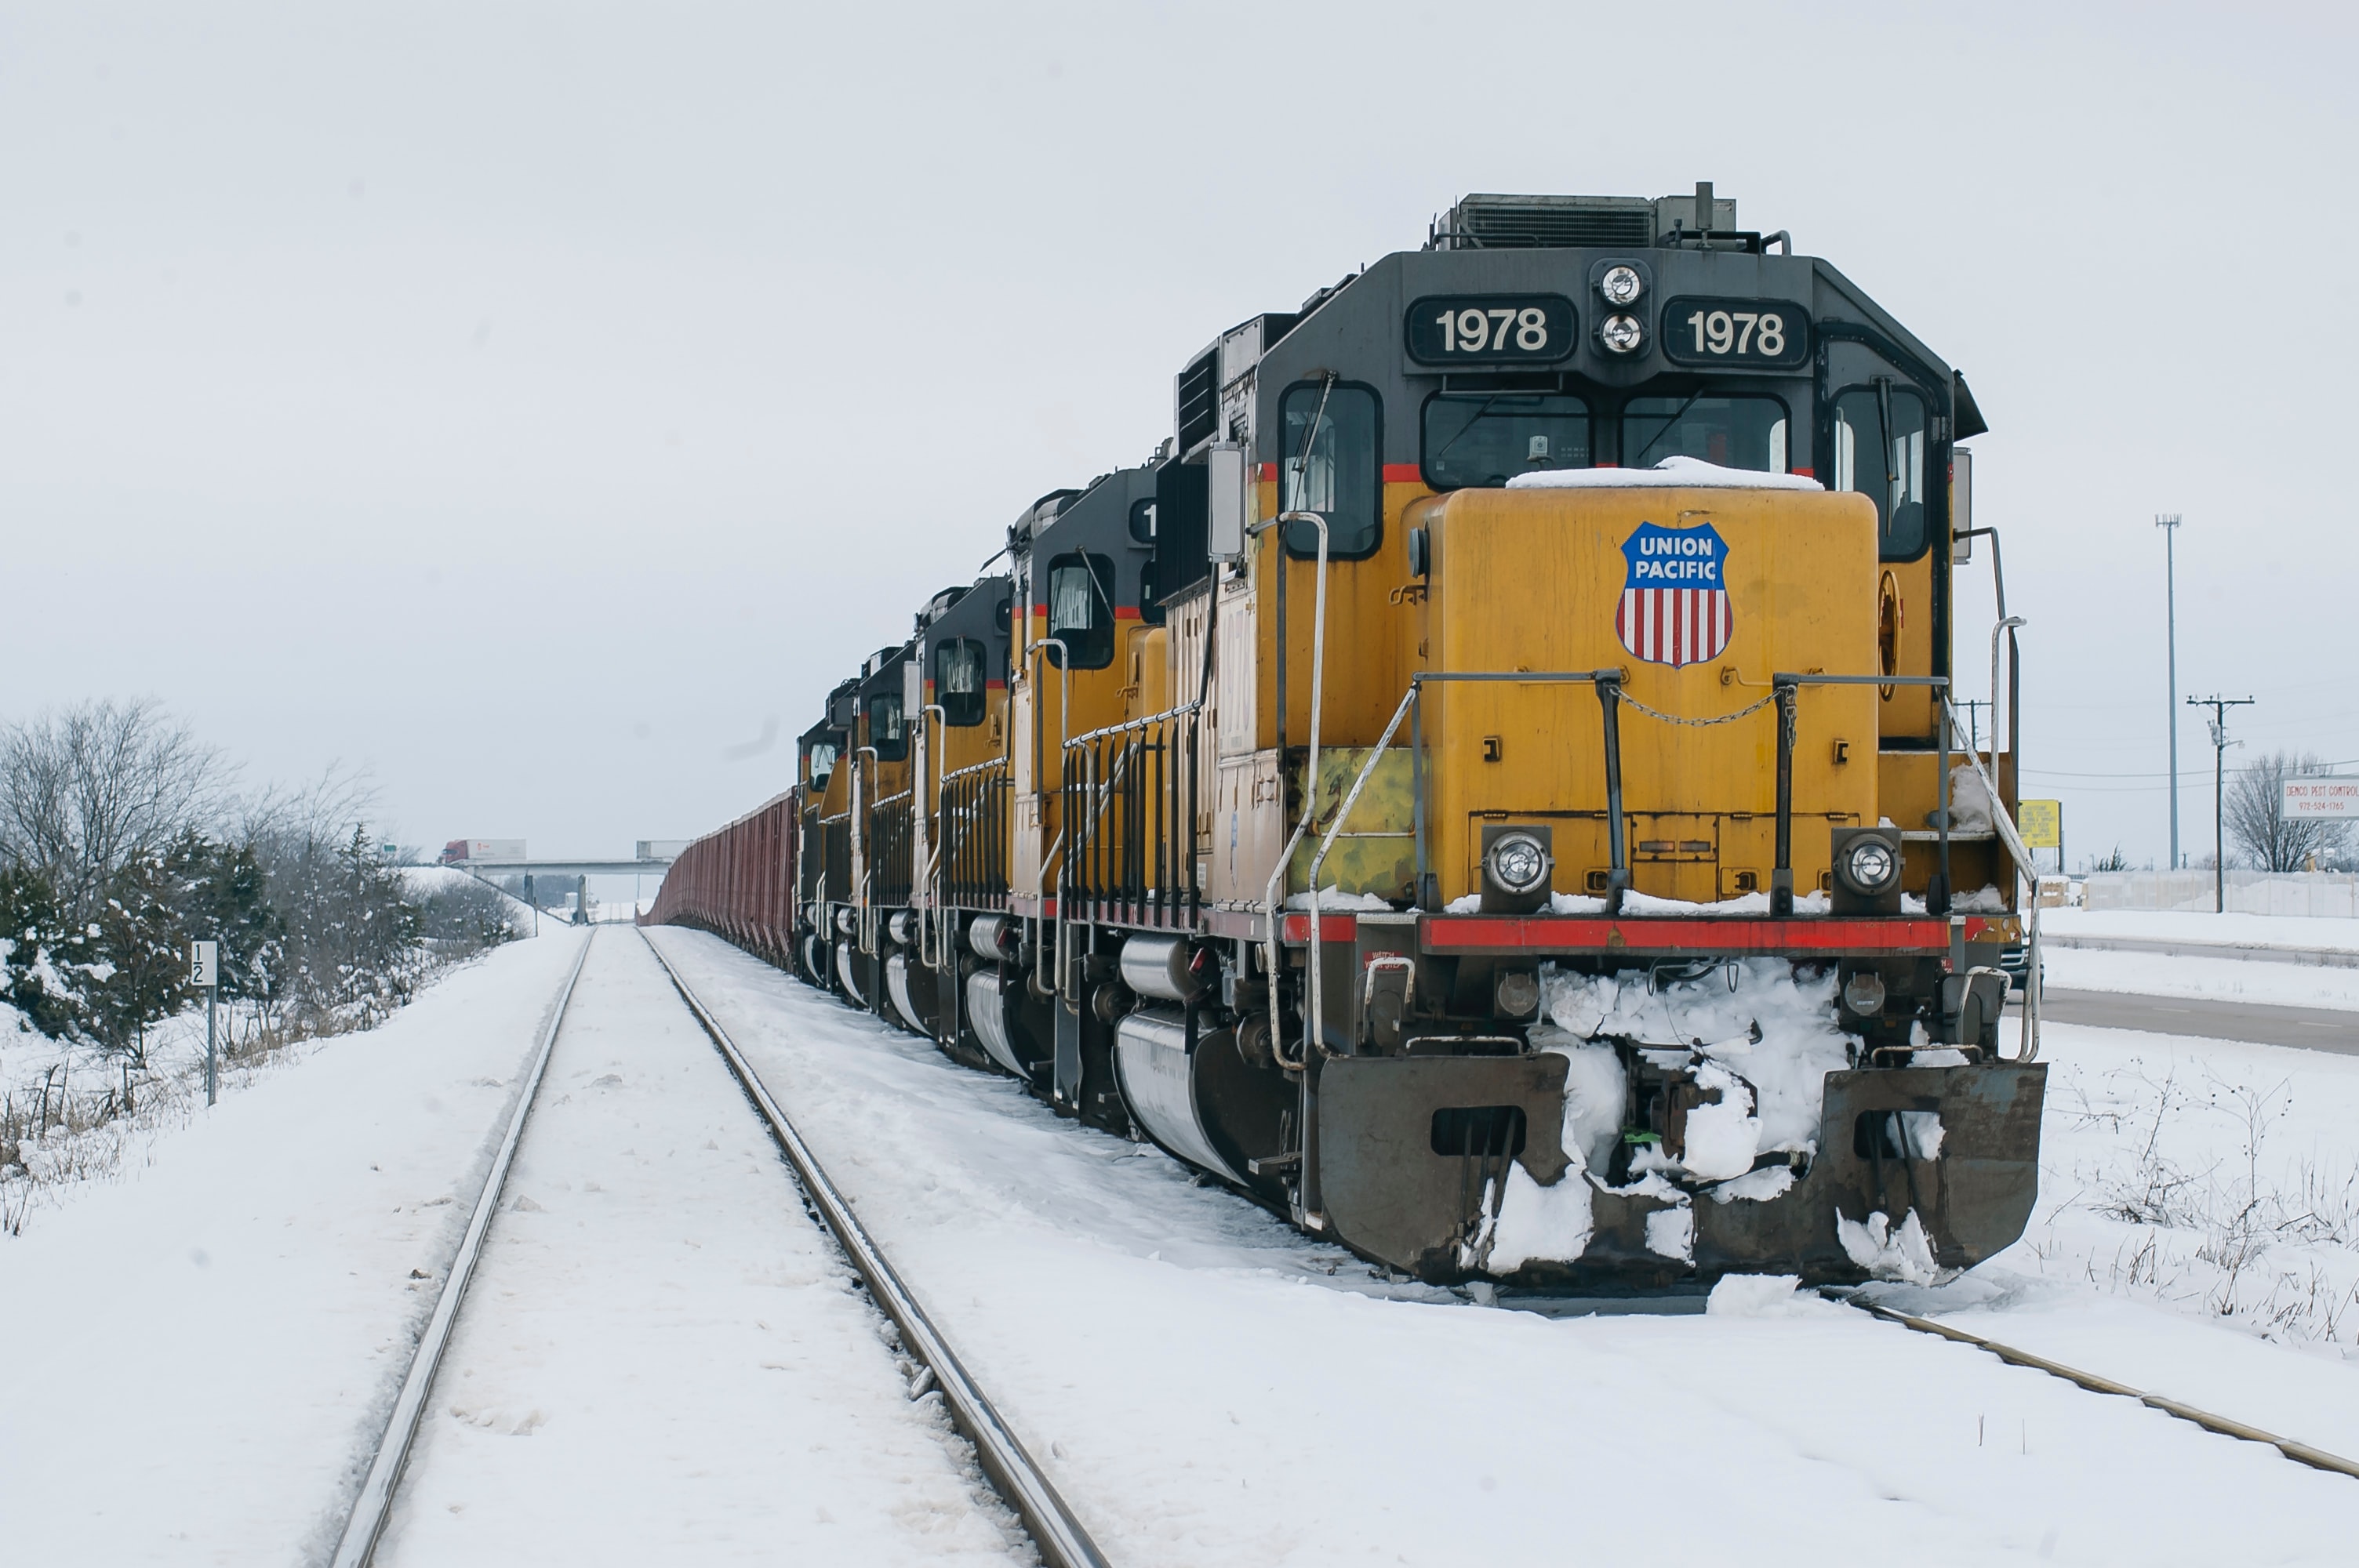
1488 789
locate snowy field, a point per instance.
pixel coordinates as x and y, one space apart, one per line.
2253 930
206 1340
199 1338
2221 977
2218 1180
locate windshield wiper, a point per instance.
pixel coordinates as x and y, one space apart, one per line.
1462 430
1667 426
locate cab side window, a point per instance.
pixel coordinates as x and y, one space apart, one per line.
1331 462
1080 608
958 680
887 731
1880 452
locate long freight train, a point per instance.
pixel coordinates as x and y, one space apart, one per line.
1489 788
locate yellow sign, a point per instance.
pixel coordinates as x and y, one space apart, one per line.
2041 823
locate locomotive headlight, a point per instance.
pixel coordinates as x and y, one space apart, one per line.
1622 284
1621 334
1863 993
1869 865
1518 862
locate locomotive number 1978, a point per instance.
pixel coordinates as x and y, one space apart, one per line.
1476 327
1739 331
1720 331
1490 328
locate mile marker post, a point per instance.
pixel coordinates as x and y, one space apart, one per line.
204 969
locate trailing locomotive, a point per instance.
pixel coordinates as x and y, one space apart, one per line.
1489 788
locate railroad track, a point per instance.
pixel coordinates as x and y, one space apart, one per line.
2225 1426
1057 1536
1062 1542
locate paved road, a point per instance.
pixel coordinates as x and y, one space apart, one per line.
2316 1028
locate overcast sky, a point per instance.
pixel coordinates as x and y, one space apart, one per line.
541 406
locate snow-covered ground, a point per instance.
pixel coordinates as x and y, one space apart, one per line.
1208 1386
2216 1179
197 1348
2253 930
662 1358
73 1113
2195 973
202 1349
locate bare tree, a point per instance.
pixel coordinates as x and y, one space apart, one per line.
89 791
2258 823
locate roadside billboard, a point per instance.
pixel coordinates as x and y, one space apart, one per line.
2322 797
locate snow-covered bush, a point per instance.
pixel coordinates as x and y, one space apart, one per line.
120 842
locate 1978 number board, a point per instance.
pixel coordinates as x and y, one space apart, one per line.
1490 329
1770 333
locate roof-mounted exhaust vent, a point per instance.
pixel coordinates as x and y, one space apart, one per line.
1485 222
1683 218
1493 222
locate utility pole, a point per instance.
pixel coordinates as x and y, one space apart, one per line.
1973 723
2169 522
2219 707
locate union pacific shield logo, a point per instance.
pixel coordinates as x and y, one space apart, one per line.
1674 608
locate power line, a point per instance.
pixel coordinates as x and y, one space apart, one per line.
2063 774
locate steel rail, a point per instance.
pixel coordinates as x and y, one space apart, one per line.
2225 1426
1062 1542
374 1504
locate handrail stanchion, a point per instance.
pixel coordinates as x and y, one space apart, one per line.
1273 947
1781 875
1425 899
1618 842
2029 1048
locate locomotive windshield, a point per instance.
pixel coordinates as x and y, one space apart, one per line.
1734 432
1880 452
821 755
1487 440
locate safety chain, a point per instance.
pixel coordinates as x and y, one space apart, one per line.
1629 701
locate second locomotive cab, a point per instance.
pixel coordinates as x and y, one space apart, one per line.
1488 787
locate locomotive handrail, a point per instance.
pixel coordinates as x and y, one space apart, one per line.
1617 859
1608 684
921 816
972 769
1786 688
1315 1037
1318 672
1182 711
1139 859
2028 1047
